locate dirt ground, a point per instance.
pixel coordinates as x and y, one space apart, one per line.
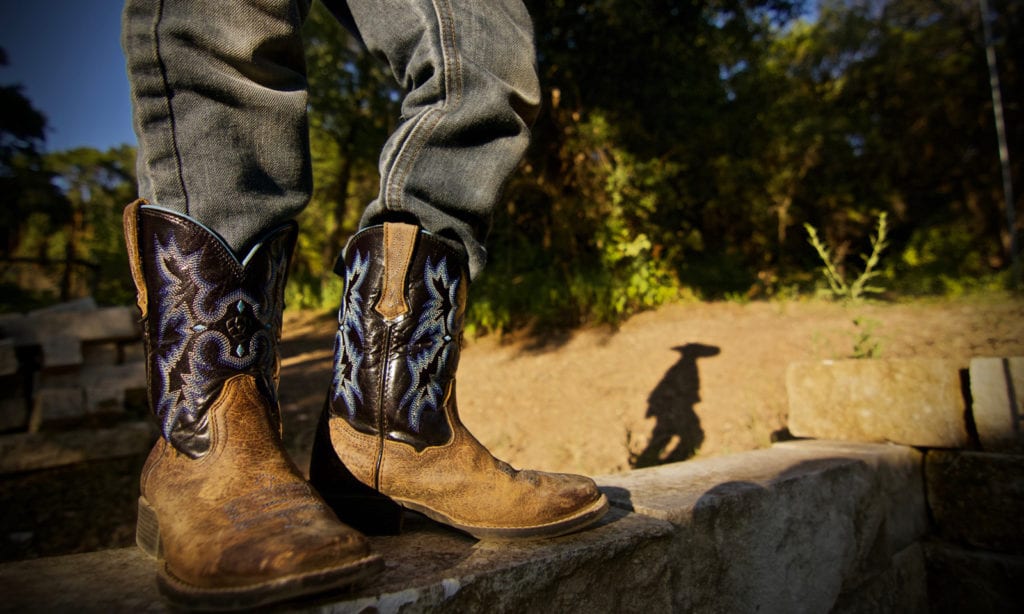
698 379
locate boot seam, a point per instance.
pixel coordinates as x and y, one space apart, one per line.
381 408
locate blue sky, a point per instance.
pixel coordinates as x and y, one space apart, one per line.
67 55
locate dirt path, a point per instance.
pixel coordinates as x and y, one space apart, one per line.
690 379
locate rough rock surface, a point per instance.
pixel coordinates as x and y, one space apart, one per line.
785 529
903 588
805 526
429 568
961 580
977 498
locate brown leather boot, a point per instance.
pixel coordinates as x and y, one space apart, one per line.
223 508
390 436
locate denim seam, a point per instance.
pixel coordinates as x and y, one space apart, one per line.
420 133
449 52
170 107
402 165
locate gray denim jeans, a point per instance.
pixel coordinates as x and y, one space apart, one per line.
219 98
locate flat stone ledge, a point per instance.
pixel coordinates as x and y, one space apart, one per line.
801 527
786 529
916 401
621 565
997 394
435 569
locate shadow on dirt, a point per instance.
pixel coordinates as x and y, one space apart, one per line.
677 433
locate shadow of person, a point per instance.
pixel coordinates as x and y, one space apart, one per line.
677 433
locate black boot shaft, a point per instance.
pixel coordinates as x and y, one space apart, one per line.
208 316
399 335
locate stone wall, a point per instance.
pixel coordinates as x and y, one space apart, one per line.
70 364
74 428
967 421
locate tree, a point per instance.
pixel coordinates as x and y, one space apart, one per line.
25 185
618 198
904 121
97 185
353 106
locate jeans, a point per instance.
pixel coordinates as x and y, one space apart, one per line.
219 107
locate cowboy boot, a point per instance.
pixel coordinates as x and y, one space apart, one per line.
223 508
390 435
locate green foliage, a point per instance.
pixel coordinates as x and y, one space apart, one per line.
60 228
946 260
833 272
26 185
97 185
81 252
352 108
614 260
683 164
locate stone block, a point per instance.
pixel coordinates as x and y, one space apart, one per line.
57 378
87 303
99 354
808 526
961 580
56 405
13 412
107 386
900 589
106 324
8 358
977 498
61 352
620 566
32 451
997 395
781 530
16 326
128 375
916 402
133 352
107 398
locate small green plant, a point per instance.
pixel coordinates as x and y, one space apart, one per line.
859 288
865 343
741 298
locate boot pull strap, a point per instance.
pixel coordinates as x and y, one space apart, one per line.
131 237
399 241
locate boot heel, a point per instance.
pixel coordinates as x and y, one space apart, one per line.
147 530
